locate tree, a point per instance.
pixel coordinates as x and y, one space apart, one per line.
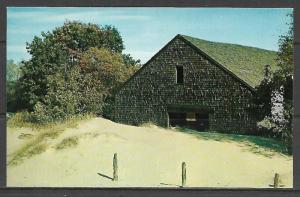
108 70
61 99
282 79
74 69
85 88
12 86
129 61
106 66
59 50
264 95
12 71
285 53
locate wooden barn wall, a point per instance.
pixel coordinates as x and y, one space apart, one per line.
146 96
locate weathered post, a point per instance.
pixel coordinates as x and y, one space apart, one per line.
115 166
183 174
276 180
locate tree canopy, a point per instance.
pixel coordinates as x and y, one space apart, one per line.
280 82
12 89
12 70
73 69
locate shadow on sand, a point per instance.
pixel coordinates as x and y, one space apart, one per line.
105 176
255 144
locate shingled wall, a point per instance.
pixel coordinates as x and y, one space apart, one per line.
146 95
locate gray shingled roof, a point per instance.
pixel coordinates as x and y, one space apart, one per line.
245 62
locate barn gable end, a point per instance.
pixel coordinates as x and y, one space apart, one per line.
209 92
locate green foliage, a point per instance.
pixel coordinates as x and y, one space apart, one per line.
12 86
245 62
43 133
20 119
61 98
12 98
282 79
264 95
108 70
24 119
285 53
73 70
284 128
29 150
12 71
57 50
109 107
129 61
82 89
105 66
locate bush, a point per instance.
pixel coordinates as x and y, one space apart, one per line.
108 108
284 128
278 128
265 128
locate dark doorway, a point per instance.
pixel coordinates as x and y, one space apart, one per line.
193 120
177 119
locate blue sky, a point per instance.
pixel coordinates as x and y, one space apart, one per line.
146 30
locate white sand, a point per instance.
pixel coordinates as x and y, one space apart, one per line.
147 157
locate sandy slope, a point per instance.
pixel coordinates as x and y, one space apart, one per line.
148 157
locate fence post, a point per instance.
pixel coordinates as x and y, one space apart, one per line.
115 166
183 174
276 180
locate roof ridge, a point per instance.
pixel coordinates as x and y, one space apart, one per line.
247 85
246 62
249 67
227 43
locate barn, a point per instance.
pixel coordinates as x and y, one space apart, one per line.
197 84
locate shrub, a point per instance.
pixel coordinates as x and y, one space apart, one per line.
265 127
278 128
284 127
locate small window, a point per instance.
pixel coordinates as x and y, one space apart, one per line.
179 74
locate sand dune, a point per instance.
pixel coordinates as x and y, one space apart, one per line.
147 157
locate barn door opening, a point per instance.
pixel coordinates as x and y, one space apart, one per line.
194 120
202 121
177 119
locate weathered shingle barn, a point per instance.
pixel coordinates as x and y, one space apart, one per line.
195 83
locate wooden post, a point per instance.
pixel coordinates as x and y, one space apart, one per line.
115 166
183 174
276 180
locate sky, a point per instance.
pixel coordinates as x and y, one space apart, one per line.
146 30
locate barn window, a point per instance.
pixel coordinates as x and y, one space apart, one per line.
179 74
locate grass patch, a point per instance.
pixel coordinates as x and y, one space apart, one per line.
20 119
27 151
23 119
39 148
67 143
37 143
255 144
